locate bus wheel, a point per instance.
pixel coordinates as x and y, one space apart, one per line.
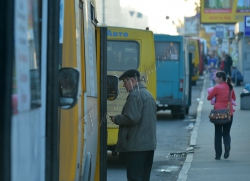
182 116
187 110
175 116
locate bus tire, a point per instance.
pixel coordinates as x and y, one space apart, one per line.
182 116
175 116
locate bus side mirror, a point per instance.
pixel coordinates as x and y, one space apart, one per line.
68 87
112 87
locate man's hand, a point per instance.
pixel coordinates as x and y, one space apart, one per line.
112 118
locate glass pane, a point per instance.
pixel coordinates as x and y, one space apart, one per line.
122 55
167 51
26 92
191 47
34 48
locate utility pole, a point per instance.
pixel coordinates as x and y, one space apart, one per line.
103 12
197 9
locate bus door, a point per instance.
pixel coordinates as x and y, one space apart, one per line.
194 49
128 49
121 55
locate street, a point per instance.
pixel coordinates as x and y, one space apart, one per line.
172 137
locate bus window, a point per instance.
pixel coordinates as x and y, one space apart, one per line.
122 55
167 51
26 92
191 48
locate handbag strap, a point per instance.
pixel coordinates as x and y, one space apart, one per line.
229 98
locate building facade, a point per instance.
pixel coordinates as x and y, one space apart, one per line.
110 13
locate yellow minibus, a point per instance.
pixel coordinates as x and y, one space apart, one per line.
193 47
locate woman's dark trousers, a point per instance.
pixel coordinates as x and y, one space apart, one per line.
139 164
222 131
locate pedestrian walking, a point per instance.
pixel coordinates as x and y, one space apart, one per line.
137 128
221 62
221 92
212 70
212 59
228 64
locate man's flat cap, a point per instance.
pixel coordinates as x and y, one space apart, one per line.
130 73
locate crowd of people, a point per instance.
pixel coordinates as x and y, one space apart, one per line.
215 63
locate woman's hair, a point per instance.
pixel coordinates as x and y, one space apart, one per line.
222 74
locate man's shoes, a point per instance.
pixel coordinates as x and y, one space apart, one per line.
226 154
217 157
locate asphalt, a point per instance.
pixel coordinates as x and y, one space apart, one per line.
201 164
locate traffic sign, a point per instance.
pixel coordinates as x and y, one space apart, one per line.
247 25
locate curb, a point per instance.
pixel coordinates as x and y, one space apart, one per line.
187 164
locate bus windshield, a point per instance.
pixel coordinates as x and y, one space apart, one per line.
122 55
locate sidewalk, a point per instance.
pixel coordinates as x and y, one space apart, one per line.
201 165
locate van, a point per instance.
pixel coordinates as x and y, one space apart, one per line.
173 79
194 48
203 53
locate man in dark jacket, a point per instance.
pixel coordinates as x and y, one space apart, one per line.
228 64
137 128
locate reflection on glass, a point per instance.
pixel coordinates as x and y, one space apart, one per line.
112 87
68 82
14 104
34 47
33 38
122 55
35 88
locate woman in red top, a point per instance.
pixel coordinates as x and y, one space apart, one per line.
221 92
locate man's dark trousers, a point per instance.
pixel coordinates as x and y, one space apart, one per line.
139 164
227 71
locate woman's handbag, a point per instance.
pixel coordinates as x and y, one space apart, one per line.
221 116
